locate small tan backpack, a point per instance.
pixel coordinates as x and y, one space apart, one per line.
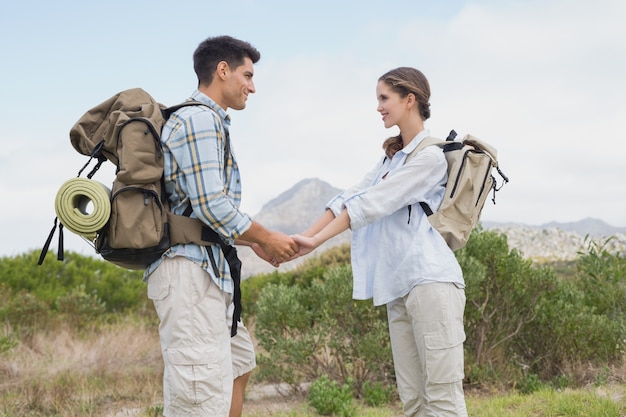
470 179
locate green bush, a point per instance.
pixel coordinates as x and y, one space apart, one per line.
602 278
331 399
521 319
502 291
120 289
311 270
378 394
308 332
26 315
530 383
79 309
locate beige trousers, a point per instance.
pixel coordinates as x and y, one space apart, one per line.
201 359
426 331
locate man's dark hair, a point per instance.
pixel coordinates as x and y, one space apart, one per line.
221 48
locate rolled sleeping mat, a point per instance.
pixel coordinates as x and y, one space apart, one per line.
83 206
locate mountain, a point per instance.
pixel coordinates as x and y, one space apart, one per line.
294 210
297 208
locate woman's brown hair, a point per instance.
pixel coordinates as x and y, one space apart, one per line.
404 81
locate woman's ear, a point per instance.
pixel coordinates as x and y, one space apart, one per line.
410 100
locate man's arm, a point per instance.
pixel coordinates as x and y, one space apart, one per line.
275 245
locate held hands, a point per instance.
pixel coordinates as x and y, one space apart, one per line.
307 245
277 249
304 243
303 246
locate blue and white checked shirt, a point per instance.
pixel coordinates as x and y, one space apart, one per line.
394 249
197 170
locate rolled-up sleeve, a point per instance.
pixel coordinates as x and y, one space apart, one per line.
407 185
336 204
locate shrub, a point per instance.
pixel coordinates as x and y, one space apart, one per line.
378 394
303 276
80 309
308 332
329 398
502 291
601 275
119 288
522 320
27 315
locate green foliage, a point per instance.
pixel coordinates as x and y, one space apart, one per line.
582 320
502 290
310 331
79 308
521 320
527 325
331 399
378 394
118 288
302 276
7 341
530 383
26 315
251 288
602 278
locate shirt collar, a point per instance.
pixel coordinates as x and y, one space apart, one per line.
203 98
416 141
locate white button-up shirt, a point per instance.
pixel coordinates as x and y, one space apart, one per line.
394 246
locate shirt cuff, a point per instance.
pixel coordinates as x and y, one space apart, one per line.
242 227
336 204
357 217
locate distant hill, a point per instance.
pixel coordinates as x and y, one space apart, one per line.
588 226
297 208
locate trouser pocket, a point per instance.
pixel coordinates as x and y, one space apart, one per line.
444 356
195 375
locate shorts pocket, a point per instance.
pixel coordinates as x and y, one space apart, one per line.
158 290
444 356
195 376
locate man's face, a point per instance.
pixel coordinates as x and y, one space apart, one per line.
239 85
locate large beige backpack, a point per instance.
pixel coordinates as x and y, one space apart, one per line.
470 179
126 130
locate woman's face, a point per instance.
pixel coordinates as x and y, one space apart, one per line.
391 106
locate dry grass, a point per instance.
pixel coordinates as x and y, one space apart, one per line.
62 374
117 370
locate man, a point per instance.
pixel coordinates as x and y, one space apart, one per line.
206 370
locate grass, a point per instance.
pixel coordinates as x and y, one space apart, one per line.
116 372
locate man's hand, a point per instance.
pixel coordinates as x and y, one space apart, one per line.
258 250
279 247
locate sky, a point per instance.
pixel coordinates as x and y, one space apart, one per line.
543 81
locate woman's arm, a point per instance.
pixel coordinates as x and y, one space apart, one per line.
319 224
330 229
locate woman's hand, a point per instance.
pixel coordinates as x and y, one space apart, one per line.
306 244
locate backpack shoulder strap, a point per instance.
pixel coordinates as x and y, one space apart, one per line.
447 145
167 111
426 142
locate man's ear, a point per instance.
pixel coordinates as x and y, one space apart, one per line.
222 70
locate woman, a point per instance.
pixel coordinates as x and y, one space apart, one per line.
399 259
